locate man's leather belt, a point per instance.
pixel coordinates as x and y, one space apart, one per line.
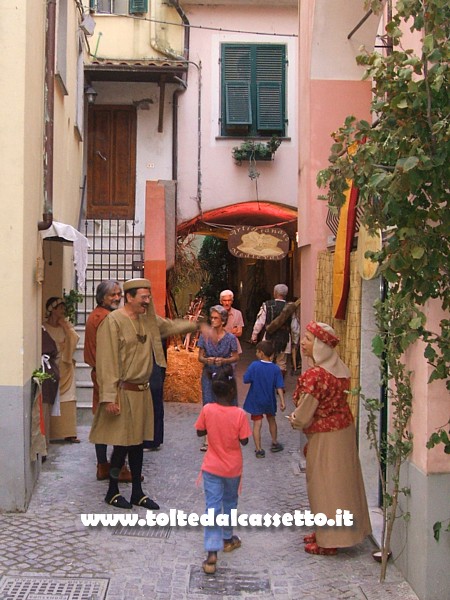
133 387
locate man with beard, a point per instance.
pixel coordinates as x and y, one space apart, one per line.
108 295
128 340
235 321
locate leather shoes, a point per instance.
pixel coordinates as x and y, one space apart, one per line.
103 471
125 475
145 502
117 501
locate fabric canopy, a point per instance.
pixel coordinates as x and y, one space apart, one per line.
80 247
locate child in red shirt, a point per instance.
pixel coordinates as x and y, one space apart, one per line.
227 428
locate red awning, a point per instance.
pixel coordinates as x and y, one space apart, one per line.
255 214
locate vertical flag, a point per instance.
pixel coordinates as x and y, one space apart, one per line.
344 241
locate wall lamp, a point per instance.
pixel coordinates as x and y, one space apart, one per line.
91 94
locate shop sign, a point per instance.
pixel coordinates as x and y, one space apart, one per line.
263 243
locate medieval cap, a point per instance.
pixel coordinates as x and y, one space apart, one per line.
133 284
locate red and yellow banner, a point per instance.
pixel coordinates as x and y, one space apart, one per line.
344 242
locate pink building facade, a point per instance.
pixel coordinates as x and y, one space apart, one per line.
330 88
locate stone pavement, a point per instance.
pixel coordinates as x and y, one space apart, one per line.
47 554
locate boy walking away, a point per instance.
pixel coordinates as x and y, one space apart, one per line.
227 428
266 383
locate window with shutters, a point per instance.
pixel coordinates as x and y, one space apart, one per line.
119 7
253 90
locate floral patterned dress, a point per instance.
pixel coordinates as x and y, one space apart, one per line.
333 471
224 348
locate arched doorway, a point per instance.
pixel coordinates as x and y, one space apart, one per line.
252 279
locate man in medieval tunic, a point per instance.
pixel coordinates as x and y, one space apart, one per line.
127 340
274 311
108 296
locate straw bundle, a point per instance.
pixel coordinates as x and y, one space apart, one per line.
182 383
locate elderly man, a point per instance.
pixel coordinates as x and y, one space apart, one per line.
284 325
107 295
127 340
235 321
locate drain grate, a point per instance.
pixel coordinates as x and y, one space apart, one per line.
227 582
43 588
144 532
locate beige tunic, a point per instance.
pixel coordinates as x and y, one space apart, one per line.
121 357
64 425
334 479
66 342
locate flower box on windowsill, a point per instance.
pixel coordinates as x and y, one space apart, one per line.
251 155
249 151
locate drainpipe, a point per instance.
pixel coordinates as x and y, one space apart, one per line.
175 97
177 93
49 105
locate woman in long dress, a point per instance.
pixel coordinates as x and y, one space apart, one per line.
64 425
333 471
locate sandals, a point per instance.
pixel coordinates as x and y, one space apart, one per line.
231 544
260 453
315 549
146 502
310 539
204 448
72 439
117 501
277 447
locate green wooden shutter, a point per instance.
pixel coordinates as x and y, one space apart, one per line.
236 85
270 87
138 6
253 89
269 106
238 103
92 4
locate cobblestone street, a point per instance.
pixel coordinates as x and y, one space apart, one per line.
50 549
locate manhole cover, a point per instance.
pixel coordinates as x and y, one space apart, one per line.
144 532
227 582
37 588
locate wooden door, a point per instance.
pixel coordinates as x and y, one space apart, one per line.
111 169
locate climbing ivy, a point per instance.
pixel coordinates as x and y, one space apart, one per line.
402 170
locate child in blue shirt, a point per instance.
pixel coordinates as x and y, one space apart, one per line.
266 383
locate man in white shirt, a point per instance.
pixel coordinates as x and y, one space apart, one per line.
235 321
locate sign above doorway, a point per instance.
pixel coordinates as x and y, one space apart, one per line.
263 243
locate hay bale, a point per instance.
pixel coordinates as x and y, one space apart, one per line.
182 383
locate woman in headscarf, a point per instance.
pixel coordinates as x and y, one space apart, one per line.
64 425
333 471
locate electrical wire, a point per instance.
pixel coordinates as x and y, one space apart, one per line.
206 28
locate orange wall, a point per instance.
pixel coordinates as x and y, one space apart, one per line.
155 243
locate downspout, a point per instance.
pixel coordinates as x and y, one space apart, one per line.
199 133
49 105
177 93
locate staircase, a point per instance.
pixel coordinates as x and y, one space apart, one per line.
83 382
116 252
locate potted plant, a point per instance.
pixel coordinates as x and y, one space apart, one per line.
71 299
251 150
